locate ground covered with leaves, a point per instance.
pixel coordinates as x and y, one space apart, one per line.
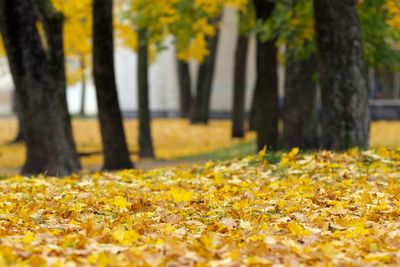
321 209
174 140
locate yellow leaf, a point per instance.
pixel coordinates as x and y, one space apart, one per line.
293 153
381 257
28 238
125 237
218 178
297 229
181 195
262 153
259 261
121 202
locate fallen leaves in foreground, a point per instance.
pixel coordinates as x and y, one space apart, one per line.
321 209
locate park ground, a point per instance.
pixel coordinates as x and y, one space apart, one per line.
232 208
175 141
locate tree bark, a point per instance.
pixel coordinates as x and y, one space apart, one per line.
252 113
116 154
205 78
38 84
300 107
17 110
53 22
185 88
145 139
266 104
344 92
239 86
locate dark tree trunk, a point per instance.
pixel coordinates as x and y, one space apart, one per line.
53 22
145 139
18 111
116 154
266 104
83 88
205 78
239 86
344 92
185 88
300 109
38 84
252 113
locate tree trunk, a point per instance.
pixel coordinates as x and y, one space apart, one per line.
252 114
266 108
83 93
205 80
185 87
145 139
53 22
239 87
17 110
116 154
38 84
344 92
300 109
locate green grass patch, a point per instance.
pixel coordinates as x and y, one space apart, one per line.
236 151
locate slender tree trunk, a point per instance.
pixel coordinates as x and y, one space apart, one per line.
344 92
239 87
300 109
185 88
252 114
205 78
49 149
266 108
83 88
116 154
145 139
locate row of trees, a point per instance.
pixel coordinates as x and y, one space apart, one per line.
36 40
322 52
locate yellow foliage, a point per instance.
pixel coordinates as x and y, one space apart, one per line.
290 157
121 202
125 237
160 18
196 51
393 7
262 153
297 230
78 22
204 27
126 35
180 195
28 238
321 209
